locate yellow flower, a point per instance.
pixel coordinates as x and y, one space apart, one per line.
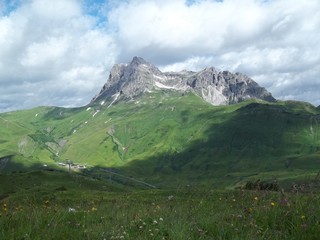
250 210
273 204
303 217
94 209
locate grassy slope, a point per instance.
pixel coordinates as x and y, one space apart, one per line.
168 138
58 205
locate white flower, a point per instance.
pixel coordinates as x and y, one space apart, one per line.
71 209
170 198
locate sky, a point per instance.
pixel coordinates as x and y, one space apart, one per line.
60 53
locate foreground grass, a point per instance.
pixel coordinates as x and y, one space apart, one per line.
74 211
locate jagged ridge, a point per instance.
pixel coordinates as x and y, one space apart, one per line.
215 87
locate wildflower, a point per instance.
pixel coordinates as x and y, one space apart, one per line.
249 210
155 222
71 209
256 198
303 217
170 198
161 219
93 209
233 200
273 204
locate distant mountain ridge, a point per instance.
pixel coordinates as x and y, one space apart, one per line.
215 87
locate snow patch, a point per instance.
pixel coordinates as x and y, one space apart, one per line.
95 113
179 88
160 85
159 77
108 120
88 108
115 98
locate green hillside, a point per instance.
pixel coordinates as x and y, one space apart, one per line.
168 138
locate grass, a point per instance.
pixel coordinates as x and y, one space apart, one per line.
58 205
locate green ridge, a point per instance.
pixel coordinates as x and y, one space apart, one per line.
170 139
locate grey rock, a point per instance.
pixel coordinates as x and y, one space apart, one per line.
127 81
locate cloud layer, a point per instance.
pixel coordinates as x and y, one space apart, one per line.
60 52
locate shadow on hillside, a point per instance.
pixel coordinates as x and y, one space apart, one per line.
8 165
254 139
257 138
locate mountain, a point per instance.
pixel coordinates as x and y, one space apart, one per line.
217 88
156 128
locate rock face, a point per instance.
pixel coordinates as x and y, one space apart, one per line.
218 88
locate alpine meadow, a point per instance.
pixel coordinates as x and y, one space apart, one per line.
163 155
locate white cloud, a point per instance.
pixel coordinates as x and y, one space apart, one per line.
57 10
275 42
40 54
54 53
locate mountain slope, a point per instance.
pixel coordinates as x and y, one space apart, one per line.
168 138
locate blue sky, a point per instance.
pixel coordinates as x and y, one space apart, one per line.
60 52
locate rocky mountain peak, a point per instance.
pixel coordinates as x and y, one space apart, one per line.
218 88
138 61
